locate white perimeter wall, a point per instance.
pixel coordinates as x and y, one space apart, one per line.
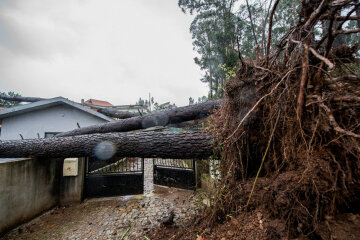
58 118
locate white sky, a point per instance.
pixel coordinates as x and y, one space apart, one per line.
114 50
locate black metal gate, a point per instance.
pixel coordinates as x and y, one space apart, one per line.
175 173
113 177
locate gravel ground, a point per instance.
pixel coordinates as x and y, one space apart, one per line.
110 218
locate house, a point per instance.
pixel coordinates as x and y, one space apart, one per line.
104 104
98 103
46 118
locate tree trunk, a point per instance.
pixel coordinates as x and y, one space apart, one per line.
20 99
210 82
251 21
339 39
176 115
221 87
116 113
264 27
357 13
176 145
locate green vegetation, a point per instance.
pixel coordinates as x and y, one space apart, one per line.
6 103
223 28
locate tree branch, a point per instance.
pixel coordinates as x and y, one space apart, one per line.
270 30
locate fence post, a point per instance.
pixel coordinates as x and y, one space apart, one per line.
143 174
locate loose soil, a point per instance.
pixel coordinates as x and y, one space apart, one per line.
258 225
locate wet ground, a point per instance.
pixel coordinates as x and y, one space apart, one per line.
111 218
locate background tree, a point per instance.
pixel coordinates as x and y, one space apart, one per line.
191 101
219 23
6 103
213 30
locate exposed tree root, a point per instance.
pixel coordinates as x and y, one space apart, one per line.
311 169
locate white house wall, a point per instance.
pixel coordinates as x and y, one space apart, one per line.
58 118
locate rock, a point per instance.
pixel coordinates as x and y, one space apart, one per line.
230 233
121 211
206 201
29 229
168 219
234 221
328 217
353 217
261 226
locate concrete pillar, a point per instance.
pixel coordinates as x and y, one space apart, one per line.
71 187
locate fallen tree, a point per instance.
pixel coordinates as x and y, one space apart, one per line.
204 109
177 115
184 145
20 99
289 133
112 112
116 113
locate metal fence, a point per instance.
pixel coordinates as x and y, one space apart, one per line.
114 177
175 163
124 165
175 173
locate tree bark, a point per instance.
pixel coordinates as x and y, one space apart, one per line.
21 99
175 145
210 82
177 115
251 21
270 30
116 113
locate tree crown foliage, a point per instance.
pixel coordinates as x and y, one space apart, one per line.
7 103
221 28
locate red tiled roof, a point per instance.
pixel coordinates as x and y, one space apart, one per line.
99 102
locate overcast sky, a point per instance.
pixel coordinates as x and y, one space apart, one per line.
114 50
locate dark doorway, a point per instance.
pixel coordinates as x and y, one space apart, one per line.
114 177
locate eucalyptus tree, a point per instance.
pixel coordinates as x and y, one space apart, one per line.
222 29
214 32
